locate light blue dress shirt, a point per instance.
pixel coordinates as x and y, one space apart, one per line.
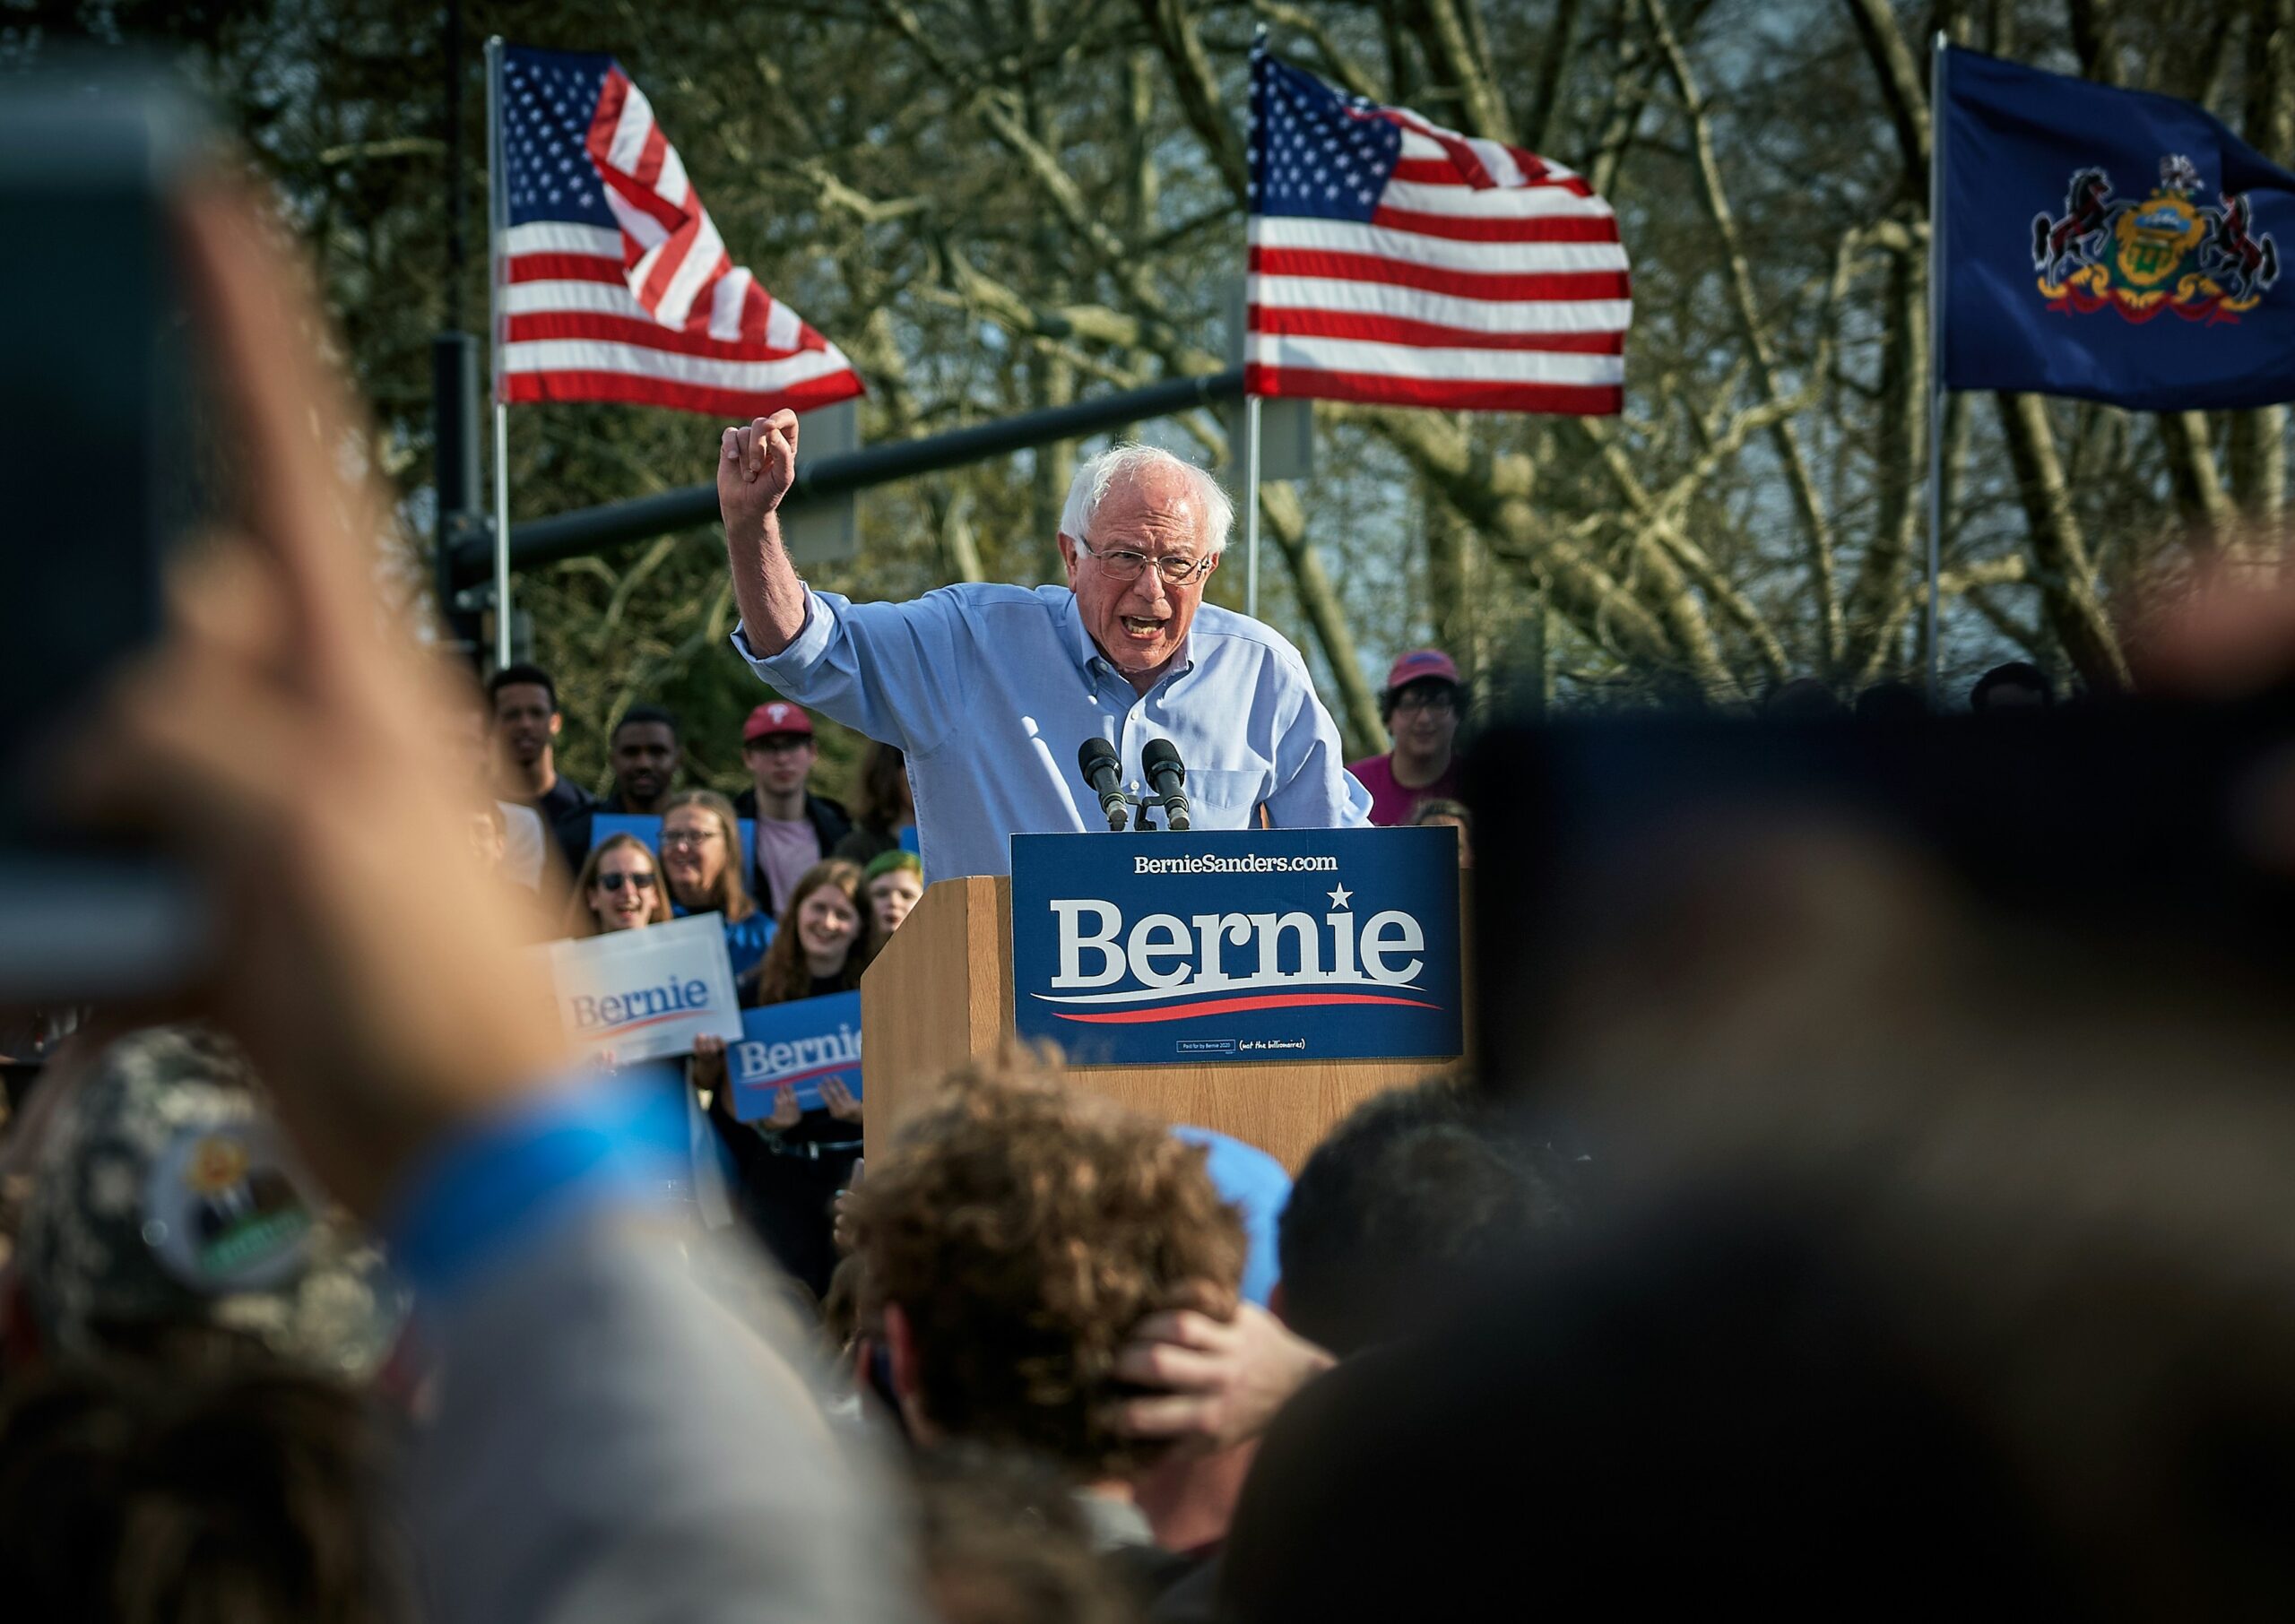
990 689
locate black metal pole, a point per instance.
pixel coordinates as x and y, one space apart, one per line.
457 182
596 528
454 366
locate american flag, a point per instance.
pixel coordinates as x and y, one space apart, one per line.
1398 263
614 282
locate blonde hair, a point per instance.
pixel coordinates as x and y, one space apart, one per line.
730 894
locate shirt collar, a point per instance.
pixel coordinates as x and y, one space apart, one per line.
1084 652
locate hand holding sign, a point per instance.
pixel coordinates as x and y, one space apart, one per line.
786 1113
801 1048
838 1100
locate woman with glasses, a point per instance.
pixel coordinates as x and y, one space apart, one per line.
792 1163
701 846
619 888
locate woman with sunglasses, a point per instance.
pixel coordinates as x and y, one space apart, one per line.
793 1163
619 888
701 844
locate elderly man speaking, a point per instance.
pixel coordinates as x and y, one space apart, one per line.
990 689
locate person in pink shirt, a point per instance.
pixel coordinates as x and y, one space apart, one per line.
1421 705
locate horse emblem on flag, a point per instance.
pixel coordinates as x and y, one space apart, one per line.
2166 252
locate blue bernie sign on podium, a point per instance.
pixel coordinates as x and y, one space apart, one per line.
1243 945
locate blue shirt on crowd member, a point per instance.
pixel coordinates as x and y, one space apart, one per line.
990 690
746 940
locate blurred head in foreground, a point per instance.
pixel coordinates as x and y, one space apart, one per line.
1939 1076
1015 1236
247 1493
1004 1541
1410 1200
166 1212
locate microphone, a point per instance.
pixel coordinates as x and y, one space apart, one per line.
1160 761
1101 766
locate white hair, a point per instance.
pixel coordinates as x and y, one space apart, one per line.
1095 475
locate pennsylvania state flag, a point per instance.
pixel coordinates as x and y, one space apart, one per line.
2113 245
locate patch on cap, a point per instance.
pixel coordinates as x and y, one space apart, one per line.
776 716
222 1213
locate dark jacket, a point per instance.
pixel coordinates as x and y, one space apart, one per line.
830 821
865 845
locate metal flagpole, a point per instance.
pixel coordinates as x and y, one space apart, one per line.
1937 121
497 208
1251 504
1250 401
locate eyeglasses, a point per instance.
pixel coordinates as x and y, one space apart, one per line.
1126 566
615 882
674 840
1442 699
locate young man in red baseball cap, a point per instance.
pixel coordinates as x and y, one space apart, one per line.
1421 705
795 828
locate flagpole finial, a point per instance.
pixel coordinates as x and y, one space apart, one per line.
1258 36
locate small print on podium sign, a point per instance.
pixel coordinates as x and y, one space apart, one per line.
1243 945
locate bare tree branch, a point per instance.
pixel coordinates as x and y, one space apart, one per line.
1901 88
1817 530
1334 60
2067 577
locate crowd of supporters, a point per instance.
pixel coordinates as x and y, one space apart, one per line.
1822 1231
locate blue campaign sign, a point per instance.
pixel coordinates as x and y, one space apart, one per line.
647 828
799 1045
1247 944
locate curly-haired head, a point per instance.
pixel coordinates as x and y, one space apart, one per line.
1023 1229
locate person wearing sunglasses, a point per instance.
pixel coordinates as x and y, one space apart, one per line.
619 888
989 689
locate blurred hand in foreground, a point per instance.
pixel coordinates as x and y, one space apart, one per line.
1223 1377
281 740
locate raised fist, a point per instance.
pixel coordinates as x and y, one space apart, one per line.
756 466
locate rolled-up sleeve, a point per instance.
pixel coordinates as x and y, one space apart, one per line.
890 670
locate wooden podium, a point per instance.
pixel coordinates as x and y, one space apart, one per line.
941 991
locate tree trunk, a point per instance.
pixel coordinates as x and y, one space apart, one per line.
1816 529
1450 589
2257 445
1358 707
1904 455
2066 576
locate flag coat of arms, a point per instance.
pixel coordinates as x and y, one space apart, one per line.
1398 263
2111 245
612 281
